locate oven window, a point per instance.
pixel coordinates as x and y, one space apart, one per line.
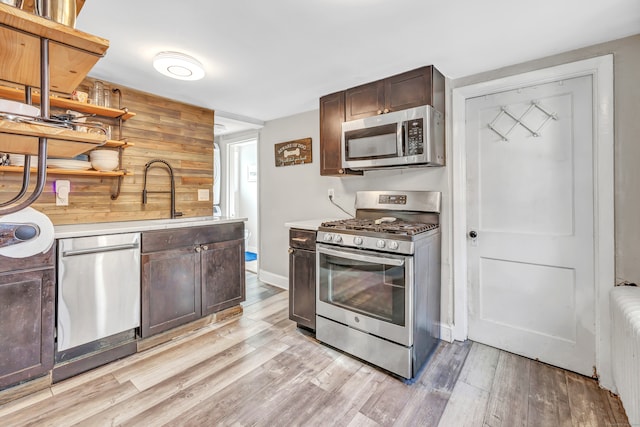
375 290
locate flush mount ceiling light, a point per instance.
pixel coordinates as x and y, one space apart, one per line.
178 66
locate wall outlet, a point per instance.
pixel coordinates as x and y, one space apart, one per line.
63 188
331 193
203 194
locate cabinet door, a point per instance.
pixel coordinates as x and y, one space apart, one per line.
170 289
302 287
364 101
223 284
331 118
408 90
26 329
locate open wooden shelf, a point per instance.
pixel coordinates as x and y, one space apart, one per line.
112 143
22 138
55 171
72 53
68 104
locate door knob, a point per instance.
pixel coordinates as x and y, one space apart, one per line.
473 234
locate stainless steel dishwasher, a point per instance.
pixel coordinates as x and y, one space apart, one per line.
98 287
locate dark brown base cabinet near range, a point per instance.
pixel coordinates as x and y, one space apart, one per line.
27 294
188 273
422 86
302 277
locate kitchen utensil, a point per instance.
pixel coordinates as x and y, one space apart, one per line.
97 93
78 95
106 98
61 11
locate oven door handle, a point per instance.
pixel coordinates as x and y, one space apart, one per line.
364 258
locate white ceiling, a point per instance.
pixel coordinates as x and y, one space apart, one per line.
271 59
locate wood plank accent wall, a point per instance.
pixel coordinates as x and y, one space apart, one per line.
179 133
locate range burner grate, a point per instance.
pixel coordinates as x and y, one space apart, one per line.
396 227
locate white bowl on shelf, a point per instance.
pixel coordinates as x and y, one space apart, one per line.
104 154
104 160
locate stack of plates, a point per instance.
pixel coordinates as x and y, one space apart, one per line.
68 164
17 108
18 160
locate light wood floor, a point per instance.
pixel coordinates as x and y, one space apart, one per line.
261 370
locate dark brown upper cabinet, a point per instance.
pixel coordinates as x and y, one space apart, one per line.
422 86
413 88
331 119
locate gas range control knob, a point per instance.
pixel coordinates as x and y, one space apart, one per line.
328 237
380 244
338 238
357 241
393 245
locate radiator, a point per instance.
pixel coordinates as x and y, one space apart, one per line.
625 310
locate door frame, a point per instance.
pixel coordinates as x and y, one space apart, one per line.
229 180
601 69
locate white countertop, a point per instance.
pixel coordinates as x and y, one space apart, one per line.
95 229
309 224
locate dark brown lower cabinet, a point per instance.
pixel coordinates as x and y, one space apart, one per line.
170 289
190 272
223 283
302 277
27 312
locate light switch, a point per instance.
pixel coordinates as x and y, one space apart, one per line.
203 194
63 188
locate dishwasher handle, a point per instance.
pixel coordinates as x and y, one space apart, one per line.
100 250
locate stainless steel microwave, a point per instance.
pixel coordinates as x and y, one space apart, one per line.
406 138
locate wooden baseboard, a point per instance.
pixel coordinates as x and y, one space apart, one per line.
179 331
82 364
25 389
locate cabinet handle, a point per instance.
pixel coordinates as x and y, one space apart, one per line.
198 248
341 171
300 239
205 248
386 110
291 251
379 112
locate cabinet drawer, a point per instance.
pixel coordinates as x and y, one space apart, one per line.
302 239
31 263
153 241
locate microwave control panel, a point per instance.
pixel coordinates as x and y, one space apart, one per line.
414 142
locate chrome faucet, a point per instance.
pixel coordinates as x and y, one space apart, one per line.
173 186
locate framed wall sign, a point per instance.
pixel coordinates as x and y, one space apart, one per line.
295 152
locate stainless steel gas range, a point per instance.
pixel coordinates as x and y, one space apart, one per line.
378 280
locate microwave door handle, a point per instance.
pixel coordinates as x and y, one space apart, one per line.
363 258
401 137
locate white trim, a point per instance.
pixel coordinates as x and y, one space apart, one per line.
601 68
274 279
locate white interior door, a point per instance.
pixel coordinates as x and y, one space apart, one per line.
530 204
